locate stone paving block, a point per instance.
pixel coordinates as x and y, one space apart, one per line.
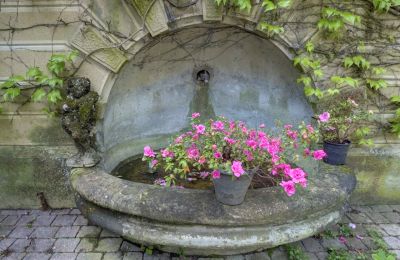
378 218
5 243
333 243
75 212
381 208
112 256
26 220
393 217
106 233
375 227
89 231
38 212
392 242
312 245
14 256
87 245
391 229
21 232
363 209
322 255
5 230
44 232
63 256
65 245
81 221
369 243
89 256
395 208
129 247
311 256
108 245
10 220
43 220
277 254
166 256
356 244
261 256
2 217
60 211
233 257
37 256
68 231
20 245
41 245
133 256
64 220
359 218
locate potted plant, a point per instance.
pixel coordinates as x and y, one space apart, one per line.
231 153
343 121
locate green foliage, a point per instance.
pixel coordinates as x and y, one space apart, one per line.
356 61
271 29
383 6
295 252
344 81
45 84
270 5
382 255
376 84
334 20
338 254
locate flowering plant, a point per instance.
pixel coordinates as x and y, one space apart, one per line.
343 121
230 146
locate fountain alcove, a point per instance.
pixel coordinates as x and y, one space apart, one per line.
214 71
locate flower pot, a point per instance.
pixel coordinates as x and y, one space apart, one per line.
336 153
231 190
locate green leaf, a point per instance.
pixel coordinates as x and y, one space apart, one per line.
309 91
38 95
395 99
378 70
33 73
54 95
332 91
309 47
319 93
271 29
284 3
72 55
348 62
376 83
268 5
305 80
54 82
11 93
318 73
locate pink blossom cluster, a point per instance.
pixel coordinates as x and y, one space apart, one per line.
234 148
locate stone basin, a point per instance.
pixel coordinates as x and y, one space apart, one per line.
192 222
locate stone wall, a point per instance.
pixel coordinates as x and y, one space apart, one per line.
33 147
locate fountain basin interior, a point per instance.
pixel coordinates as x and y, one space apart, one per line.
214 71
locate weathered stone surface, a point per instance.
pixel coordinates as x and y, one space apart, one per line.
213 226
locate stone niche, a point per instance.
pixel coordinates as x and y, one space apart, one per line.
155 93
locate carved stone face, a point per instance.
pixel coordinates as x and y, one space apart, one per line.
78 87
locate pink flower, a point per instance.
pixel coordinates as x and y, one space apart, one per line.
292 134
153 163
200 129
214 147
179 139
307 152
310 129
283 167
249 155
343 239
217 155
218 126
165 153
319 154
195 115
204 175
202 160
289 187
237 168
324 117
251 143
148 152
232 125
352 225
287 127
216 174
229 140
262 126
193 152
297 175
303 183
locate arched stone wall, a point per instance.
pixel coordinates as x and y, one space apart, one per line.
156 92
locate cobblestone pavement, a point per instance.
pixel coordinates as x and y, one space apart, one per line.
66 234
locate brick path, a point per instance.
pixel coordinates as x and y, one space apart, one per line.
66 234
